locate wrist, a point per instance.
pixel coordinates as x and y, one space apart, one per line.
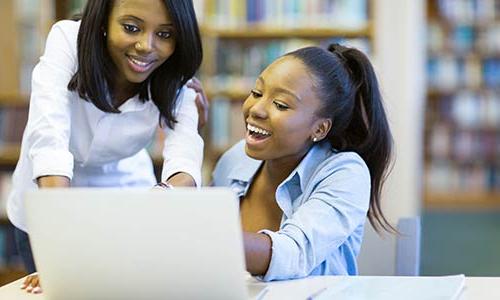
163 186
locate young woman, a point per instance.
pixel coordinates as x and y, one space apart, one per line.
101 88
312 165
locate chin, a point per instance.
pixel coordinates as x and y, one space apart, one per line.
253 154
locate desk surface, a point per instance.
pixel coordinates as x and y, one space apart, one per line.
480 288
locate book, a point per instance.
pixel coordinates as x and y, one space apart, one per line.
393 287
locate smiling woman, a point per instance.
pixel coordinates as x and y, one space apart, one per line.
311 167
99 92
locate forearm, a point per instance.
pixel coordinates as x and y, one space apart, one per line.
181 179
52 181
258 250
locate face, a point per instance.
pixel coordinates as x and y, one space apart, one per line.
281 113
140 37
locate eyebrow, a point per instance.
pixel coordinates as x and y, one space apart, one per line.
281 90
140 20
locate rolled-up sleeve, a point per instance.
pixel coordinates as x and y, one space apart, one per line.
335 208
183 148
49 122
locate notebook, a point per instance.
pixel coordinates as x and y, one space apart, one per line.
138 244
391 287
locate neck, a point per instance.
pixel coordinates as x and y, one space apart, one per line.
121 92
277 170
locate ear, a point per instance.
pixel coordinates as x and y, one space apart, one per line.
321 128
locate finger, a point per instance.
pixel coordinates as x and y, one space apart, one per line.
27 281
202 114
37 290
36 282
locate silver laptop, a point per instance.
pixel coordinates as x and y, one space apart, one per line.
138 244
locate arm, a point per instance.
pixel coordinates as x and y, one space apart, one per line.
49 122
201 102
183 148
52 181
48 129
257 252
322 223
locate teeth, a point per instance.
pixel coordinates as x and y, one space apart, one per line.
137 62
258 130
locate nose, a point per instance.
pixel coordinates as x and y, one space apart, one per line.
258 109
145 43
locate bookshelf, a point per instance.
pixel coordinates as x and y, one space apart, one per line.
462 120
242 37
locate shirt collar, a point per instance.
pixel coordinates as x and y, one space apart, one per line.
247 167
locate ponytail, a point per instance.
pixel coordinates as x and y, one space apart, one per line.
347 81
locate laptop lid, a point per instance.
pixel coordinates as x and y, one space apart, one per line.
137 244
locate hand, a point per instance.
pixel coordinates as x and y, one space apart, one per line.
201 101
32 284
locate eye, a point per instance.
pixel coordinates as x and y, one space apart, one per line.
256 93
280 106
130 28
164 34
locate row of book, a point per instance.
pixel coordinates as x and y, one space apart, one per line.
447 72
247 58
226 123
463 39
467 109
448 176
469 11
12 123
349 14
463 146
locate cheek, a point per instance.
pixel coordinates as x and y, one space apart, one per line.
166 50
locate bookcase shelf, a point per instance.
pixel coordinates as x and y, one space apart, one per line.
9 154
14 100
456 200
265 32
462 122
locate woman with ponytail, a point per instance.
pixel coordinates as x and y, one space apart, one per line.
312 165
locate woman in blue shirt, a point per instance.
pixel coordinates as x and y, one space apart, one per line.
312 165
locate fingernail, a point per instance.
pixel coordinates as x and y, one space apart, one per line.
23 286
29 288
37 290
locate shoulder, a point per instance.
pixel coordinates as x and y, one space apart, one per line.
234 163
341 170
63 37
67 28
350 162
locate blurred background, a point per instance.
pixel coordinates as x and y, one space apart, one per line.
438 63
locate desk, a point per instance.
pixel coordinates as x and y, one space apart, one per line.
476 288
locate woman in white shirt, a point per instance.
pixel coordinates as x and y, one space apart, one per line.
99 92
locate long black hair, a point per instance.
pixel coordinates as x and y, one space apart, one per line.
348 87
96 70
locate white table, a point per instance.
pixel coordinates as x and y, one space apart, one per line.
480 288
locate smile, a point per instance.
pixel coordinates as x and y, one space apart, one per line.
139 66
257 131
256 136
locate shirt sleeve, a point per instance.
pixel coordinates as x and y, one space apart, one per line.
183 148
336 207
49 122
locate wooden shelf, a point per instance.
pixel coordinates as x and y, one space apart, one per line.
233 95
14 100
462 200
254 32
9 155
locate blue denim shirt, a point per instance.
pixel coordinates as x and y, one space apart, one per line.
324 202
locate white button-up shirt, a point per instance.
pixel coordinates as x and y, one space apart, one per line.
68 136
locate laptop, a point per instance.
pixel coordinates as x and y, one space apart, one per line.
138 244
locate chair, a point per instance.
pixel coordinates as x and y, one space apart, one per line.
391 254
